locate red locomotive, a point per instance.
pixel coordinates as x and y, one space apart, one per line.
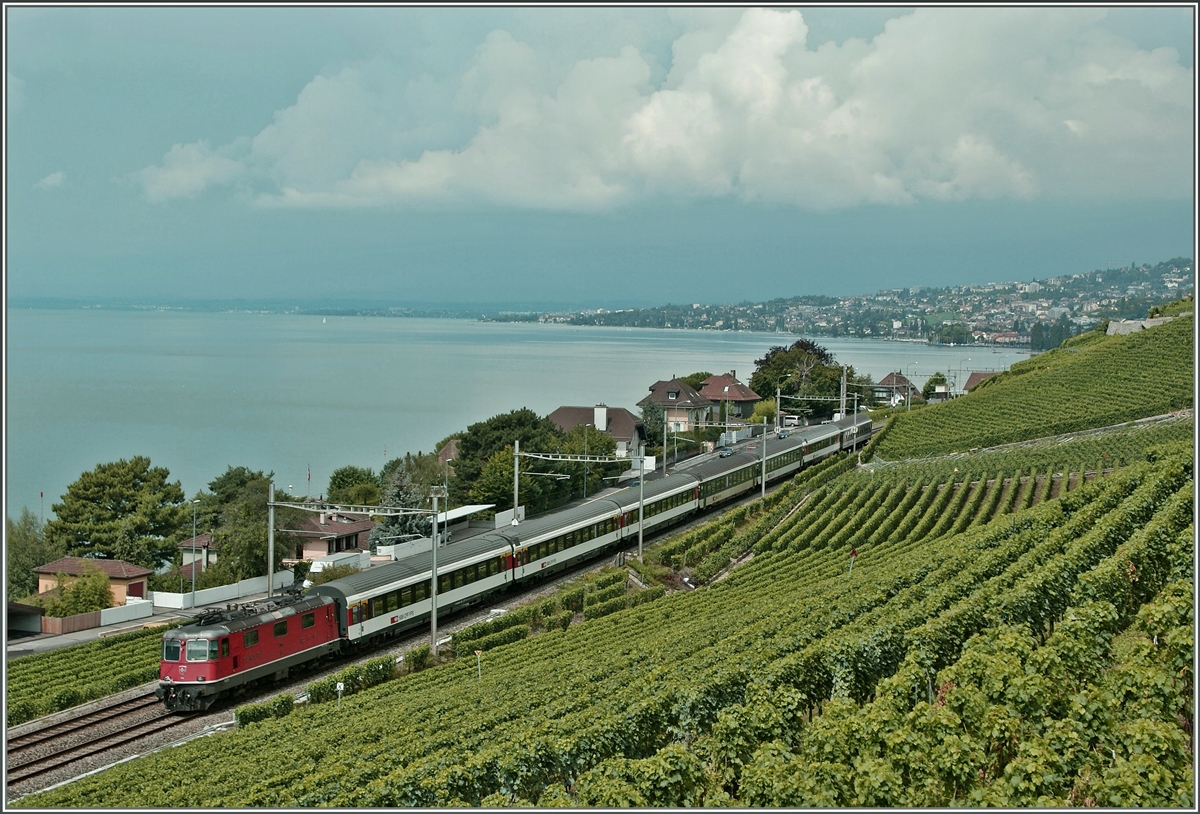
224 650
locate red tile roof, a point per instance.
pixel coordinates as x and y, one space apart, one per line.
204 540
686 395
622 424
726 388
74 567
975 378
339 525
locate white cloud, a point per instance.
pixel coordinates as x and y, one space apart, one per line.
186 171
944 104
54 179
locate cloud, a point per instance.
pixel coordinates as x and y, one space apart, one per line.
944 104
54 179
186 171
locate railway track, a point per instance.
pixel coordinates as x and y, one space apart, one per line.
31 755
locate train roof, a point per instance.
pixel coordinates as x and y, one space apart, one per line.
629 497
379 575
220 622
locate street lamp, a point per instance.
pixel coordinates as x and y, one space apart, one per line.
194 502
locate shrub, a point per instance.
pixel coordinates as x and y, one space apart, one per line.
572 599
278 707
419 657
605 608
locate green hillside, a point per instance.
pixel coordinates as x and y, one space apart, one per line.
1094 382
1041 658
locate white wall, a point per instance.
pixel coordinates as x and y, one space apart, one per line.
134 608
223 593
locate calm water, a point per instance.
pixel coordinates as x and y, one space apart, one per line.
200 392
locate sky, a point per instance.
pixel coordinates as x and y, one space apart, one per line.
588 157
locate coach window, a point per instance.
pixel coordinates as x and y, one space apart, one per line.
281 628
249 638
393 600
308 620
170 650
377 606
494 567
421 591
406 597
458 579
443 583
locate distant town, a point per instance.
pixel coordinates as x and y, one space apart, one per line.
1038 314
1017 314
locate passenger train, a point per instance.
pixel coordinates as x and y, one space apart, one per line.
223 651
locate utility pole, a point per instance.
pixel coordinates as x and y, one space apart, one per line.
843 402
270 541
516 475
435 492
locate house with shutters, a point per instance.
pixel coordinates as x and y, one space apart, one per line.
683 406
327 533
739 400
895 388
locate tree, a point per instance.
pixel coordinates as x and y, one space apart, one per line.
401 489
763 411
26 547
696 380
346 478
597 443
86 593
931 385
127 506
483 440
653 418
495 481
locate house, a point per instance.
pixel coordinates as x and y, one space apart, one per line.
616 422
202 549
124 578
895 388
739 400
975 378
683 406
328 533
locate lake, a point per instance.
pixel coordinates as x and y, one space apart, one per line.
197 392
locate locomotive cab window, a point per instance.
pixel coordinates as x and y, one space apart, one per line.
281 628
171 650
197 649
